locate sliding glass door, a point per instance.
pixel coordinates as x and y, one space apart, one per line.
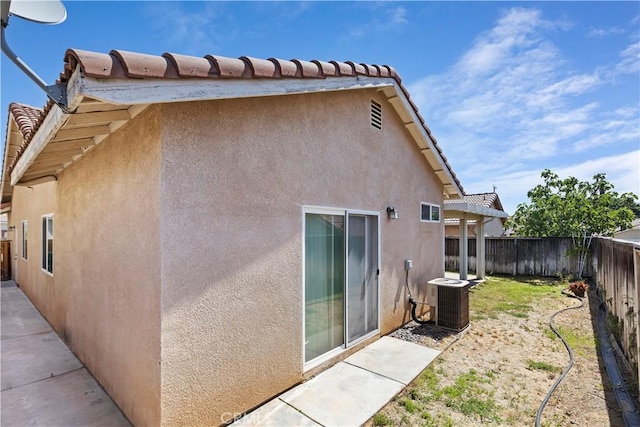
324 284
341 279
362 283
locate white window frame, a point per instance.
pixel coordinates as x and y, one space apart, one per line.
44 265
24 230
431 206
308 365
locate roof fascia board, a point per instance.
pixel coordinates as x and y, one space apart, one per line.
426 137
52 122
7 142
453 210
152 91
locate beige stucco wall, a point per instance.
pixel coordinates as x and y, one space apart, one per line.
632 234
30 203
235 176
108 264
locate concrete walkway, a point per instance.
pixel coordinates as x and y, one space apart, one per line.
43 383
350 392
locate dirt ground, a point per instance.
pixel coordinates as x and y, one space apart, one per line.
512 362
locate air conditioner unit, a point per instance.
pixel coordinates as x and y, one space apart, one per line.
452 307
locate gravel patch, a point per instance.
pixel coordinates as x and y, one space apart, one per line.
429 335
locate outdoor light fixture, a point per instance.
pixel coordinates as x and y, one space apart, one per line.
392 213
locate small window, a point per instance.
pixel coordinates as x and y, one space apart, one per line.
376 115
47 243
25 226
429 212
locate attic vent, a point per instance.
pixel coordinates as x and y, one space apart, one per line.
376 115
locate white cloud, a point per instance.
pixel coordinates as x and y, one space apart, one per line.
514 102
630 59
398 16
604 31
194 31
623 171
388 17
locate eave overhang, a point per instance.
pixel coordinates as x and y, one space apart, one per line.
101 106
471 211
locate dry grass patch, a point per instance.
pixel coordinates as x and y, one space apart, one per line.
501 368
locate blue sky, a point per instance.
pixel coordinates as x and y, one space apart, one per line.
507 88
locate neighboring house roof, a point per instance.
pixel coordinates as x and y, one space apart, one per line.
635 225
487 200
134 81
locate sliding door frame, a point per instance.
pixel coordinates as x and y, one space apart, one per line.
320 210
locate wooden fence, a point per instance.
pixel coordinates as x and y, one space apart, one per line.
617 266
524 256
5 259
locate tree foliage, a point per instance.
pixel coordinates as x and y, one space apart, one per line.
572 208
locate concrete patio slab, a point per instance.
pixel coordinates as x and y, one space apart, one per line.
276 413
35 357
43 383
350 392
393 358
344 395
71 399
19 316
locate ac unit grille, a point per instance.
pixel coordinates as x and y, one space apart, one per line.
453 307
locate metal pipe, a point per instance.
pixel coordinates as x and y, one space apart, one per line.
21 64
57 93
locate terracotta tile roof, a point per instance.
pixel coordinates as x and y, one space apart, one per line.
27 118
482 199
488 200
120 64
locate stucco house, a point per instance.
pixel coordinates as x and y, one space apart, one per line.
493 226
205 233
631 234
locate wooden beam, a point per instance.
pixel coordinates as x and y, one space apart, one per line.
48 165
36 181
58 155
68 145
78 133
154 91
37 174
98 117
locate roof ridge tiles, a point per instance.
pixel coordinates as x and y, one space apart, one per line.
93 64
139 65
260 68
284 68
328 69
308 69
358 69
122 64
343 68
191 66
230 67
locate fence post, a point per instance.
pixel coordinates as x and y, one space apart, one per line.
515 261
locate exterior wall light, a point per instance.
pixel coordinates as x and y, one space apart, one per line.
392 213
